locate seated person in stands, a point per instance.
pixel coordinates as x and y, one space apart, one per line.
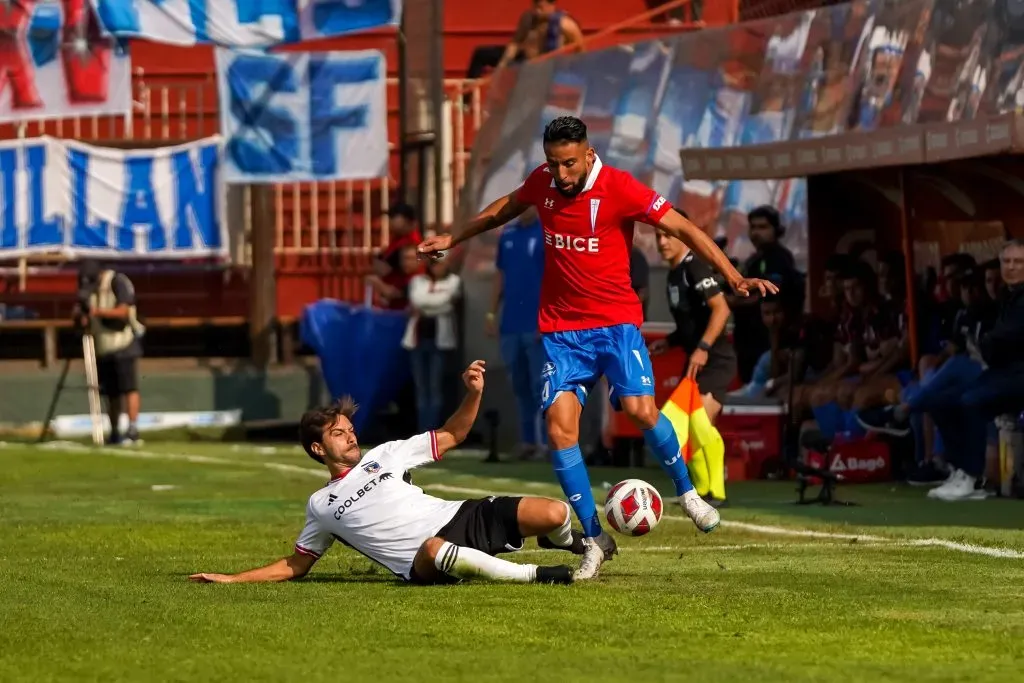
993 278
958 365
892 282
870 348
963 411
391 271
541 29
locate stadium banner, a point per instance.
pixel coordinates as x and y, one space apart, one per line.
243 23
303 116
70 198
58 63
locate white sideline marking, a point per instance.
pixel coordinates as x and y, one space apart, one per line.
866 539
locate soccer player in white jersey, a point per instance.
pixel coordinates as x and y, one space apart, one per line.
371 505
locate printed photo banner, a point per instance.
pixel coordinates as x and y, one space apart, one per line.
243 23
303 116
66 197
58 63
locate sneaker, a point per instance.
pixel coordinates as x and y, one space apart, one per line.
597 551
962 488
560 574
952 480
577 547
703 515
928 474
882 421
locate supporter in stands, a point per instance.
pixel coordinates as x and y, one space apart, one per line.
870 347
770 261
543 28
892 282
430 337
993 278
390 277
519 269
832 286
963 410
111 318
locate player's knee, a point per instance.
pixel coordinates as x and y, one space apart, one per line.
430 548
642 410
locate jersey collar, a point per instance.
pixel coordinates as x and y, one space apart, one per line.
592 178
341 476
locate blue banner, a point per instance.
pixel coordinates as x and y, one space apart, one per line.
303 116
360 351
70 198
243 23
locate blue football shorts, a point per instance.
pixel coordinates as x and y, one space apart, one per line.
575 360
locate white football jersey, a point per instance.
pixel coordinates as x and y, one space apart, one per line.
373 509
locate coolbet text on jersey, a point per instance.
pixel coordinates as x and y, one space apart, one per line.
587 242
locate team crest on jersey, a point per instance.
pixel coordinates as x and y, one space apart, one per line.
548 370
371 467
673 296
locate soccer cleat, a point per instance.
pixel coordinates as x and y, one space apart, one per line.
577 547
560 574
703 515
598 551
715 502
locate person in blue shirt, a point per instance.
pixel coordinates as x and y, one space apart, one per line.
519 270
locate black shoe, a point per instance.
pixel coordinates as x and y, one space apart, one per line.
927 474
560 574
883 421
715 502
577 547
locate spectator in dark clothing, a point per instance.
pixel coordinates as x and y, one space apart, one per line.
963 410
543 28
770 261
391 276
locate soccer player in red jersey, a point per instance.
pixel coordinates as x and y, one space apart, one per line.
590 317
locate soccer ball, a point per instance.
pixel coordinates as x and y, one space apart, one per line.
633 507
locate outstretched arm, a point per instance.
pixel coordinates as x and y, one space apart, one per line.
674 224
456 429
294 567
500 212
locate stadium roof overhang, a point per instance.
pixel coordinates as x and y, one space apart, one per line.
902 145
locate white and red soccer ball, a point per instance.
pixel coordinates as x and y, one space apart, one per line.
633 507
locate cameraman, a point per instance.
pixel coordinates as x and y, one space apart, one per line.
106 310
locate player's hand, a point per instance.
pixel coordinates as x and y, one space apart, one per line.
434 247
211 578
657 347
698 359
473 377
748 285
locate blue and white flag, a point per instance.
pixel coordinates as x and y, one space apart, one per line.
303 116
243 23
66 197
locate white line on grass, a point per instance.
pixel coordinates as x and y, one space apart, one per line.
863 539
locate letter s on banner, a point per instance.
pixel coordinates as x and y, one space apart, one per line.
303 116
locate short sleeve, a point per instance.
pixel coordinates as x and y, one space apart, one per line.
124 291
529 192
419 450
314 539
641 203
705 279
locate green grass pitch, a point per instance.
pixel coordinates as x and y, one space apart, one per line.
95 548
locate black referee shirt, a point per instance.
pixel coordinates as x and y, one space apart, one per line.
690 285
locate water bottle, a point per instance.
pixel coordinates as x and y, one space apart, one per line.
1011 452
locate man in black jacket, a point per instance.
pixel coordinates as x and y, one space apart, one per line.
963 415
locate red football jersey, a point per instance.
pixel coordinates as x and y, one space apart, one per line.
587 244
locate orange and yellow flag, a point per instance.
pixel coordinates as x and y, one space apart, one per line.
701 443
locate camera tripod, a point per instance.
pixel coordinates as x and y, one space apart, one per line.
92 388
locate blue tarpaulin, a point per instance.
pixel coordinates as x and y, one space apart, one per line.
360 351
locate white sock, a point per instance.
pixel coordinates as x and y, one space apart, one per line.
466 563
562 536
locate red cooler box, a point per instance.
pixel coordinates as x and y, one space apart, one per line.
753 438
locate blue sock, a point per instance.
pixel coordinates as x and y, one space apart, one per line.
572 475
663 441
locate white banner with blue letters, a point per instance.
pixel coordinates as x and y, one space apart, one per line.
303 116
66 197
243 23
